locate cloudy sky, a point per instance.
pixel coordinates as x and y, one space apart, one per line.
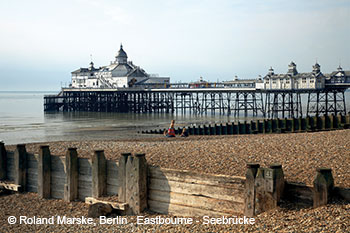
42 41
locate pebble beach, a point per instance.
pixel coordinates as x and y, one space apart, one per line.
299 153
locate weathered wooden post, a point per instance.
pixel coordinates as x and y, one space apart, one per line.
347 118
3 158
224 129
248 127
241 128
217 129
323 186
341 120
191 130
249 200
294 124
288 124
319 123
136 183
122 176
196 130
244 127
259 186
201 130
302 124
269 125
335 122
99 176
259 126
269 187
229 129
264 126
44 172
308 123
274 124
71 186
323 122
253 127
235 129
278 182
205 130
20 159
328 123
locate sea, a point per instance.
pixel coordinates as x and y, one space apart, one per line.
23 120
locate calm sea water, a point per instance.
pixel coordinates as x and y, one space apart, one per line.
22 120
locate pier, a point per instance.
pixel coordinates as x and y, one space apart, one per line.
236 101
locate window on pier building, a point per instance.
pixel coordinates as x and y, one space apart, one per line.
304 80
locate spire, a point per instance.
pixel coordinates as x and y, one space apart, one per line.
316 68
271 71
91 67
121 56
340 68
292 68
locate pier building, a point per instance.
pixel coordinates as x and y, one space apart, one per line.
121 73
125 87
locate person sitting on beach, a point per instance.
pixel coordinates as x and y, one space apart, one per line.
184 133
171 130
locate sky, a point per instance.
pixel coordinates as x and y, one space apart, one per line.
42 41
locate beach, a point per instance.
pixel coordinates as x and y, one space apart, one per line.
299 153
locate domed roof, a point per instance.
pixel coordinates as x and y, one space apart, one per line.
121 52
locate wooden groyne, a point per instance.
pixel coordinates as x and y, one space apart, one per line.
138 186
286 125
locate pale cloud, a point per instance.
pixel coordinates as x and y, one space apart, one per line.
182 39
110 9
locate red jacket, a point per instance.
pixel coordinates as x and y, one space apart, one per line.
171 132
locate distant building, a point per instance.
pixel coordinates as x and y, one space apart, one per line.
339 76
295 80
121 73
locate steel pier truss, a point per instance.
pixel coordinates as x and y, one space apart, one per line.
224 103
283 104
239 103
326 102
